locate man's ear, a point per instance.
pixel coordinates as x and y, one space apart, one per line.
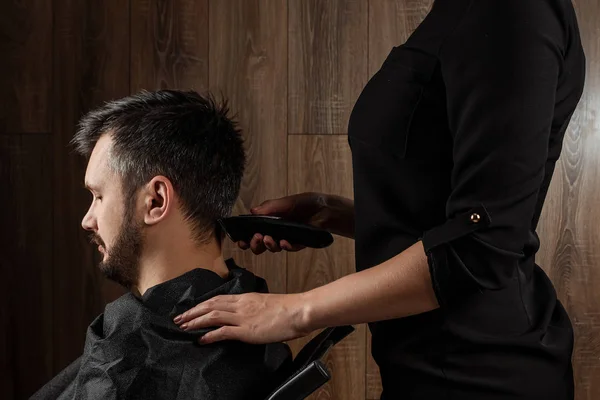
158 200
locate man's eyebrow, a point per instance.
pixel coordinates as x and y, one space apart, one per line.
89 186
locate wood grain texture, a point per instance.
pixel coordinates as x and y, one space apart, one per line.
62 58
391 22
91 65
247 64
327 63
169 44
26 237
323 164
373 378
569 230
26 66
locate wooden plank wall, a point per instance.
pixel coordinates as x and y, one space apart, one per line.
291 70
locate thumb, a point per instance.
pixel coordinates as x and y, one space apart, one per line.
272 207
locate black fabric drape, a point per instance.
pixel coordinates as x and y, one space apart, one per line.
135 351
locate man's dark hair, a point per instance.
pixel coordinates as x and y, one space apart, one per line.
179 134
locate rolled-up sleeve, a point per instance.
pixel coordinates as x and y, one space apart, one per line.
501 67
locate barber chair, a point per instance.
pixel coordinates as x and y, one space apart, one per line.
309 371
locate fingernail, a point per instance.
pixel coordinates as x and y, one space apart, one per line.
184 326
258 236
177 319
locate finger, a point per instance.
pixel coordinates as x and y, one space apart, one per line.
243 245
195 312
257 245
271 245
255 240
284 244
212 319
223 333
217 303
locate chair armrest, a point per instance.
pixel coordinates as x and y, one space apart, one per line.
311 373
303 383
321 344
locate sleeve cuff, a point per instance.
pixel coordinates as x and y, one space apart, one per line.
436 244
463 224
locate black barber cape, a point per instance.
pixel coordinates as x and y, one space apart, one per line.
135 351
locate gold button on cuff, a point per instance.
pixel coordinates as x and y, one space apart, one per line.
475 218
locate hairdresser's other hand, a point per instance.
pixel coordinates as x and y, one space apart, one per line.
308 208
256 318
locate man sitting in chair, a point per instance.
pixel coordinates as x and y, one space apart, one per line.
163 168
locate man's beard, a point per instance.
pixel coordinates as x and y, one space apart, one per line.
122 263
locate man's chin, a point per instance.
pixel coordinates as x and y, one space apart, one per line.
105 268
108 270
115 273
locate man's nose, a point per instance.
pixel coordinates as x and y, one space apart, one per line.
88 222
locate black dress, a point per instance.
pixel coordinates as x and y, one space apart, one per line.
454 142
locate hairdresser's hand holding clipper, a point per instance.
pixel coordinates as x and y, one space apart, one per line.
357 298
332 213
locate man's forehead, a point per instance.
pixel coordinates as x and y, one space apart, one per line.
97 167
101 149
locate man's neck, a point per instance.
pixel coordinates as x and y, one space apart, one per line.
160 266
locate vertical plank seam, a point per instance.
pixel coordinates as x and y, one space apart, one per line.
52 200
19 386
51 286
368 38
366 336
50 120
287 129
129 88
208 21
53 91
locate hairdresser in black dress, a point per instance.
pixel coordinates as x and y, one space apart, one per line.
454 142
